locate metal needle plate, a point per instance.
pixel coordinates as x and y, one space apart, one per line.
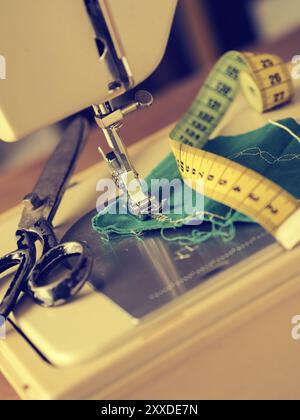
141 275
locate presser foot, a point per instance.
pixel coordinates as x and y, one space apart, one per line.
124 174
139 203
149 208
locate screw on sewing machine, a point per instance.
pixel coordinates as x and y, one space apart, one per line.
32 201
107 117
110 120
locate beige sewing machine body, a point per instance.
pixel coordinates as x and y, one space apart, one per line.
228 337
65 46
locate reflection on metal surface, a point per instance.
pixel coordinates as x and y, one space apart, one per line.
143 274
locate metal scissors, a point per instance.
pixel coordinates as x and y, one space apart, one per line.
35 226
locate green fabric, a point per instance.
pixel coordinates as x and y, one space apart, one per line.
270 151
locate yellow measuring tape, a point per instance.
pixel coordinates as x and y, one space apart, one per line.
266 83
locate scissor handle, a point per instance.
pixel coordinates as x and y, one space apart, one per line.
60 291
24 257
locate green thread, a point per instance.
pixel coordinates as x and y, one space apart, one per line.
271 151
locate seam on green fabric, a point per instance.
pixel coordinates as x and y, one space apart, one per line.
263 154
222 225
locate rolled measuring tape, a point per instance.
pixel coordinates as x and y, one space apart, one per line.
266 83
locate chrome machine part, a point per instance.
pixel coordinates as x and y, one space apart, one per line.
123 172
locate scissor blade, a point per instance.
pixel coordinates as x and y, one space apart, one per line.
54 178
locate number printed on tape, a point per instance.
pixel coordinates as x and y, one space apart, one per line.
266 82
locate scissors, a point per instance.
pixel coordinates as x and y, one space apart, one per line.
35 227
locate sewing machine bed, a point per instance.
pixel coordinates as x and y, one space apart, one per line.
143 275
148 304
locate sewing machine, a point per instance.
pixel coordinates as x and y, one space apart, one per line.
132 335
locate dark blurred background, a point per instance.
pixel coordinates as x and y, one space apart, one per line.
202 31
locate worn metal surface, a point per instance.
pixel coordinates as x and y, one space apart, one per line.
142 275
